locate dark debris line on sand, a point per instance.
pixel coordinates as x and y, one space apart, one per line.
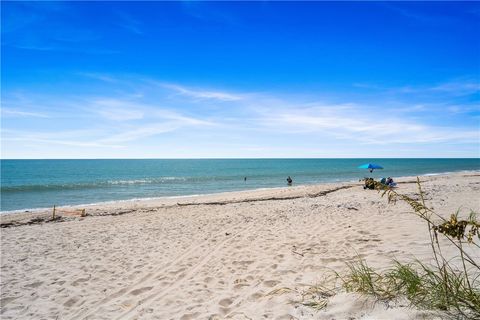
36 220
39 220
221 203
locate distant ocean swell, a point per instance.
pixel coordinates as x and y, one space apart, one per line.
42 183
99 184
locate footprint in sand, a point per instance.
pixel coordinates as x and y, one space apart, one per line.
6 300
80 280
34 284
136 292
189 316
279 257
70 302
270 283
242 263
255 296
240 283
225 302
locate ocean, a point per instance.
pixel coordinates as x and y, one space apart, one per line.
32 184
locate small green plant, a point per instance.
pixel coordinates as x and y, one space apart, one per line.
362 278
444 285
406 279
447 286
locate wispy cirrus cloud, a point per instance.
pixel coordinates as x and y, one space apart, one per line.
353 126
202 94
142 132
112 121
116 110
126 110
129 23
362 122
264 120
98 76
63 142
461 109
84 138
33 26
149 84
458 87
455 87
204 11
6 112
60 48
416 15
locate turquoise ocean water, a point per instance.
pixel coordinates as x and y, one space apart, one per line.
28 184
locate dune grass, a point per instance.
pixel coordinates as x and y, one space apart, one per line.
451 286
424 286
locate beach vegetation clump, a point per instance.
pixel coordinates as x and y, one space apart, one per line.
424 286
449 284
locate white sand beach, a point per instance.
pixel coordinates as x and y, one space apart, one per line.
241 255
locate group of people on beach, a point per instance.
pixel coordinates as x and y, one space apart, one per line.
388 182
370 183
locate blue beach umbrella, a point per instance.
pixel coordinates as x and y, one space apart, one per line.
370 166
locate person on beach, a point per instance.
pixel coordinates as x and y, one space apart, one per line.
390 182
289 181
245 179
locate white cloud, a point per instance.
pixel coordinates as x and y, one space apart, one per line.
202 94
98 76
458 109
128 110
129 23
20 113
75 138
352 124
121 121
71 143
142 132
268 122
458 87
117 110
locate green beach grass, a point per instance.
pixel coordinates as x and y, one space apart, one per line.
451 286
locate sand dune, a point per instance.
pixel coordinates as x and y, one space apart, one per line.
243 255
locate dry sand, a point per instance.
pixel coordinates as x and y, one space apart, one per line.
243 255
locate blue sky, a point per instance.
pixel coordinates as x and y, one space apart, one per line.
240 79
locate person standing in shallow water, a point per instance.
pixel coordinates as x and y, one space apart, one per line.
245 179
289 181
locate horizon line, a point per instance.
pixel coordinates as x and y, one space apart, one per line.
247 158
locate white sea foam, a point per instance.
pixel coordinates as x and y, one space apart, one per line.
146 181
114 202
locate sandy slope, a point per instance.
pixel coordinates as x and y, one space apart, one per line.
245 257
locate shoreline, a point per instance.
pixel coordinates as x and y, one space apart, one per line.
120 207
239 255
220 193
